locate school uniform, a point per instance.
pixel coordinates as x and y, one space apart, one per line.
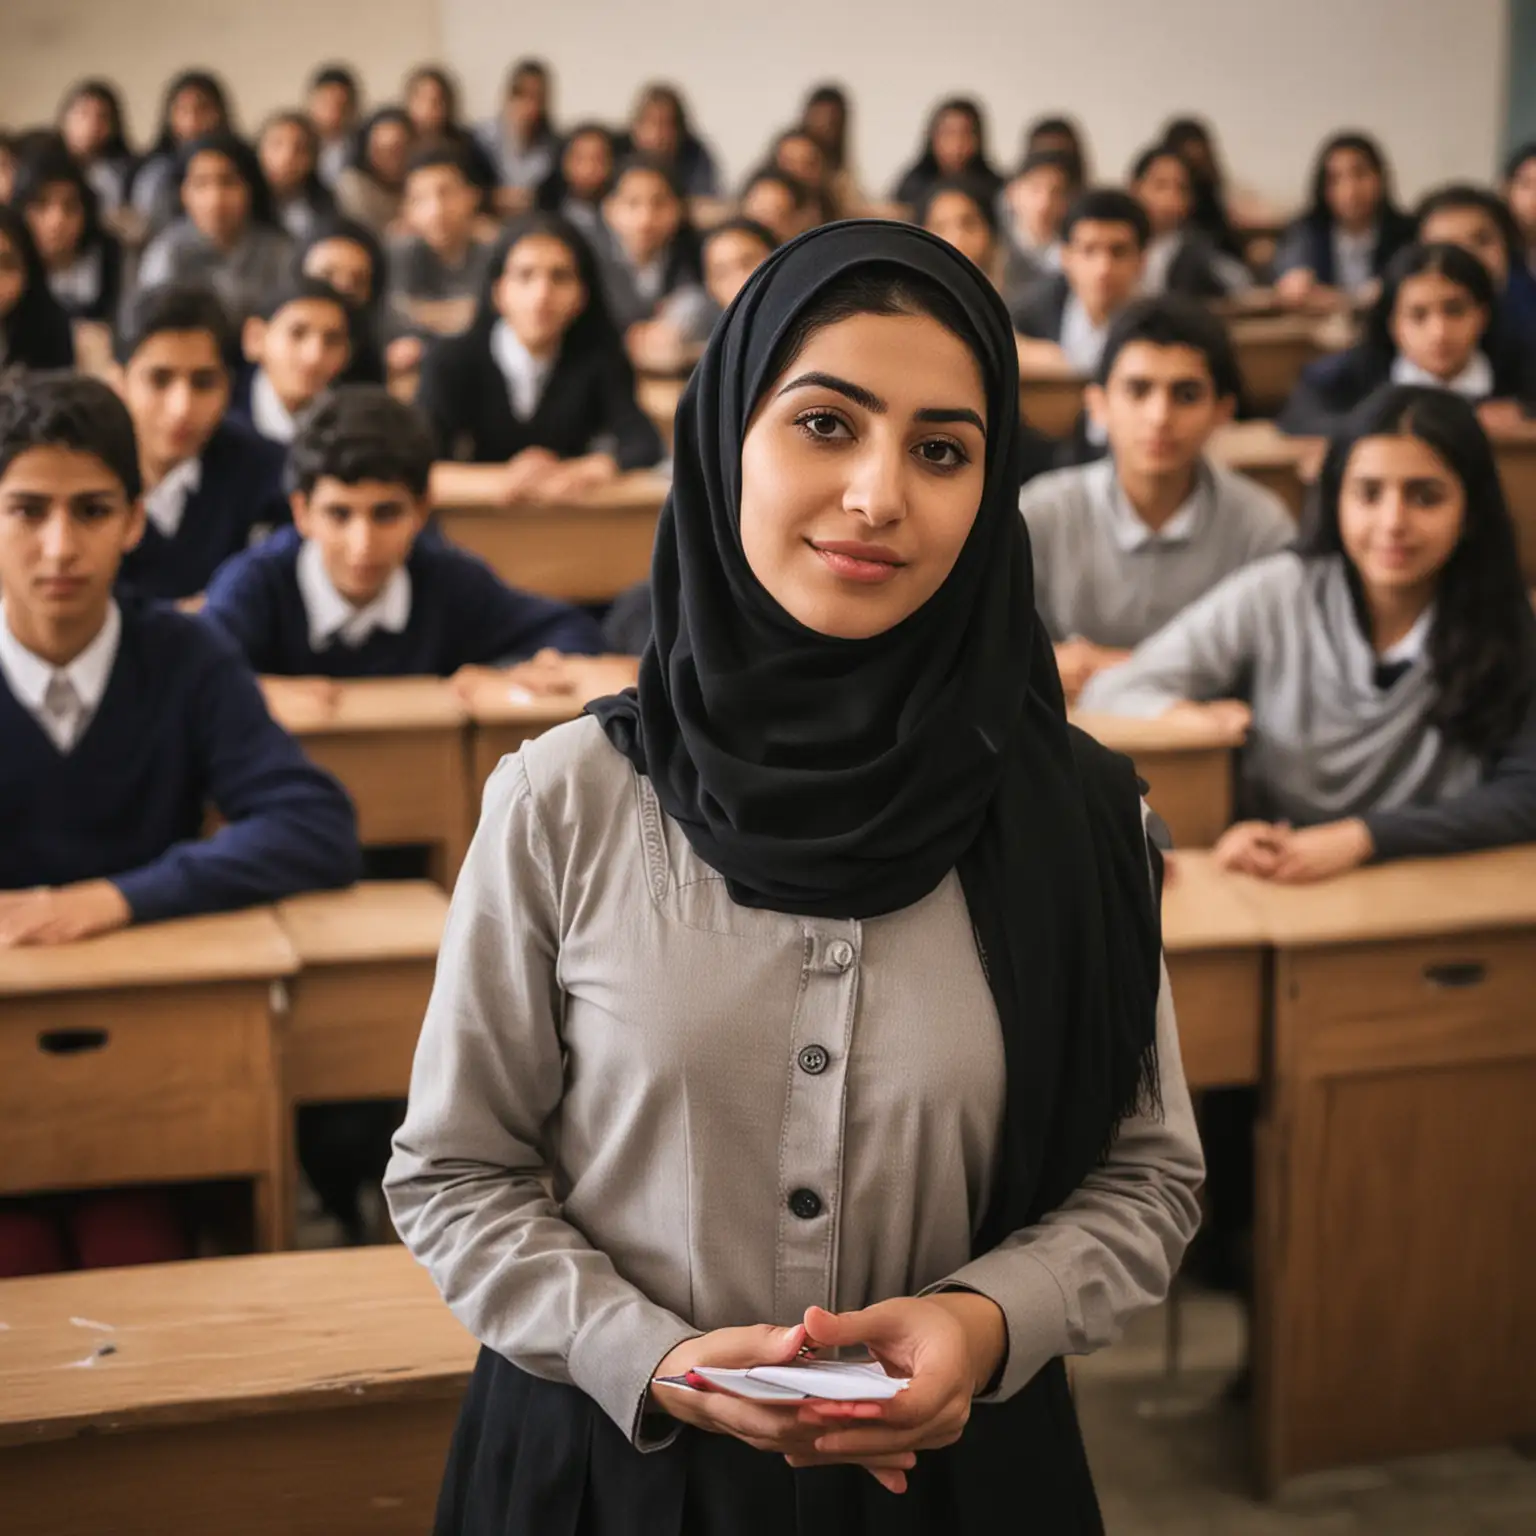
442 610
667 287
304 212
1338 731
1101 574
41 339
515 164
256 405
91 286
110 179
694 169
1330 388
1184 261
205 510
488 400
242 277
1339 259
155 191
107 768
366 201
417 272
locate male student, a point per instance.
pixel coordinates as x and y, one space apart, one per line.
121 720
440 257
351 590
1121 545
210 484
296 347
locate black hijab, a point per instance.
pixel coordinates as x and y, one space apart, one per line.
846 778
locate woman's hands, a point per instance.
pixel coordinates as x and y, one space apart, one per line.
1294 856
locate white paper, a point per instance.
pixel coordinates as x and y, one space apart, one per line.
837 1381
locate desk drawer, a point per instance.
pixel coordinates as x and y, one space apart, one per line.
408 786
136 1086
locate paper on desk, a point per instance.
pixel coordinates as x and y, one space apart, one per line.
836 1381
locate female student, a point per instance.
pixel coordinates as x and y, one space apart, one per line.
1480 222
351 260
1432 324
432 104
825 116
732 252
34 329
91 124
954 145
84 262
371 186
1520 193
778 202
581 178
1059 136
1180 256
521 141
958 210
332 103
1389 665
1032 208
194 106
788 890
288 148
799 154
1192 140
227 235
1335 253
660 129
540 380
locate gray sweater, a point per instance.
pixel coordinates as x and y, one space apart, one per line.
1326 742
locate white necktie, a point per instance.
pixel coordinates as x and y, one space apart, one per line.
62 708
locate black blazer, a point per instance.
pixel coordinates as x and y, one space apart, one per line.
588 395
1394 230
1039 309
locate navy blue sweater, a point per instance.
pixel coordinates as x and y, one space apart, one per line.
182 724
462 613
241 493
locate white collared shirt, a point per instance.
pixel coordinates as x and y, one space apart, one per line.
1352 258
1082 342
78 285
269 415
330 617
526 376
29 678
1474 382
650 278
1413 644
167 503
1130 533
1161 250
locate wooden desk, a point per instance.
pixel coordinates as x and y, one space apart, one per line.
1395 1312
1216 950
1050 397
308 1393
1272 351
585 551
147 1056
1516 453
1260 450
502 723
1187 765
397 744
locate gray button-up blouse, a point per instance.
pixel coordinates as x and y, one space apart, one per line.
640 1111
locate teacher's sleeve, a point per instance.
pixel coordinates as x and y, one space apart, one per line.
464 1184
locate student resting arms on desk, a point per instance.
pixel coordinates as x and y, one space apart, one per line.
1123 545
973 1166
1389 665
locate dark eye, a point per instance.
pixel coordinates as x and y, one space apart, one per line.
825 426
940 453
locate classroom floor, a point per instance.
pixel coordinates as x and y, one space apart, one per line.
1170 1459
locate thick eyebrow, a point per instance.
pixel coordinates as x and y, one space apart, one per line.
875 405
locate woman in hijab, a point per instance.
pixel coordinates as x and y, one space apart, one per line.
822 972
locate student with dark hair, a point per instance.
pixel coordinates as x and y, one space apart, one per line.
521 140
1430 325
659 129
371 185
1520 192
439 255
960 210
1389 665
1032 208
955 144
1123 545
777 201
732 251
581 178
826 117
83 261
194 106
288 150
432 103
34 327
1337 251
540 380
1059 136
210 485
350 258
228 235
1480 222
295 348
1180 257
91 123
798 153
1192 140
333 102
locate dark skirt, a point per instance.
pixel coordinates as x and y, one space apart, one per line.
537 1458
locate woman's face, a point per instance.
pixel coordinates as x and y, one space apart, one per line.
862 472
193 113
331 109
216 198
643 213
1166 194
954 217
426 104
86 126
1522 198
1401 512
800 156
771 204
13 276
345 265
1039 202
587 164
1477 232
56 217
389 147
285 158
656 130
824 123
527 103
540 293
1352 188
1437 324
730 258
955 141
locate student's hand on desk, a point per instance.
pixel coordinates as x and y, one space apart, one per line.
1078 660
59 914
573 476
302 696
1503 416
1318 853
1251 848
553 674
1296 286
526 472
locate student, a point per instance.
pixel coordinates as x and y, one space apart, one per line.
91 124
540 380
778 202
1520 191
371 185
210 485
660 131
288 150
1180 257
1032 208
84 263
295 349
521 141
352 590
333 102
439 256
122 721
1389 664
799 154
581 179
825 116
1121 546
228 235
954 145
1430 325
783 885
1059 136
1336 252
34 328
349 257
1192 140
732 252
194 106
432 104
962 212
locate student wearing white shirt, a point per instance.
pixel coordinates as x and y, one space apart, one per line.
295 349
1180 256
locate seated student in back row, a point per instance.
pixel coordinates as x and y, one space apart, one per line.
295 348
1180 256
120 722
211 486
1388 665
1122 545
440 258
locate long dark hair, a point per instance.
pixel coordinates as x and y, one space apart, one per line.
366 365
1363 144
1450 262
446 83
247 167
357 155
683 261
38 325
829 95
1482 647
311 189
52 164
553 190
1075 158
532 69
116 147
190 80
979 164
